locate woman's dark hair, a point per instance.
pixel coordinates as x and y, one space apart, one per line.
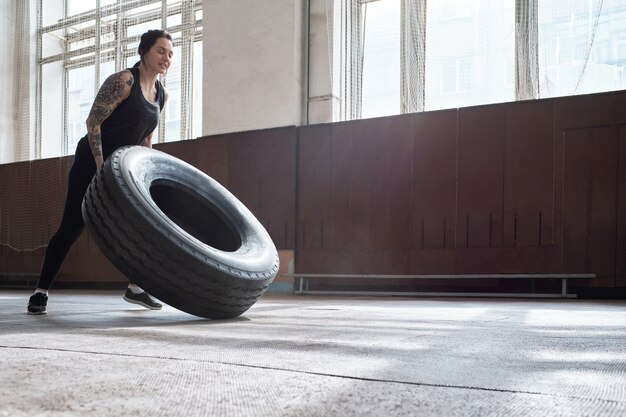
148 39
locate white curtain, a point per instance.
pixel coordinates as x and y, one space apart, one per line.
412 55
24 80
526 50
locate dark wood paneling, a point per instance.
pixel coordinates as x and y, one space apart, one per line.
261 174
576 200
314 188
212 157
340 233
433 261
434 176
390 194
590 110
589 200
358 157
604 176
621 209
480 177
529 169
491 190
521 187
388 173
368 193
180 150
279 185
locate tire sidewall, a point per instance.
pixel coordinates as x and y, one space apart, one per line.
137 168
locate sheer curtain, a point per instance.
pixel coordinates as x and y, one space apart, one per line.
19 75
412 55
526 47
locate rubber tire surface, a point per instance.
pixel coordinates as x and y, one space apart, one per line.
179 234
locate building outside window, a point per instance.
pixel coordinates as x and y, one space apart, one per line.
439 54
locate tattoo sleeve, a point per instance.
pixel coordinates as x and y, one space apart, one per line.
108 98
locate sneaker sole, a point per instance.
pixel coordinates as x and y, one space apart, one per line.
37 313
130 300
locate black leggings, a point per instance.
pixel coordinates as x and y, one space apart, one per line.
72 224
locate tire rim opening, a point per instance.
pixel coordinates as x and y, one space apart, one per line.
195 215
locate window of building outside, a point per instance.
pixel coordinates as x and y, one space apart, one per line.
82 42
381 58
581 46
470 53
470 49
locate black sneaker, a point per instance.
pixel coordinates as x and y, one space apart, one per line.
143 299
37 303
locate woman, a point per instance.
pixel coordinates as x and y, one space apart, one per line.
125 112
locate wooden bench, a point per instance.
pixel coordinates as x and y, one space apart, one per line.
304 283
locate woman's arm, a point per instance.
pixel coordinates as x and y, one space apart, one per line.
114 90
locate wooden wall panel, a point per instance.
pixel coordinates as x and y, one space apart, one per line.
590 110
388 173
314 184
534 186
604 183
180 150
576 200
621 209
480 177
340 233
528 173
368 190
279 185
358 155
261 174
590 200
212 157
434 176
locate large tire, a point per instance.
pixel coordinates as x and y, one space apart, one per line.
179 234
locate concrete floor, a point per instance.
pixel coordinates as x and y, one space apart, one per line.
95 355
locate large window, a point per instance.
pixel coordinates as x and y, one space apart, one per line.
582 46
381 59
470 50
82 42
399 56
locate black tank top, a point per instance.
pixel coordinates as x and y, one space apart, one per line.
132 121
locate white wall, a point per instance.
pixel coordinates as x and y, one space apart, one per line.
323 100
254 64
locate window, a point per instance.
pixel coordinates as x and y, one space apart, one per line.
467 57
381 58
581 46
412 55
455 76
99 37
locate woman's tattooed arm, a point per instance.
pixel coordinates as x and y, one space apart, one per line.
115 89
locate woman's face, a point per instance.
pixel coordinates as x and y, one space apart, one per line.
159 57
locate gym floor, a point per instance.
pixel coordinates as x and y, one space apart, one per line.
95 355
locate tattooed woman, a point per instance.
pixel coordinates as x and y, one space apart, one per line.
125 112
